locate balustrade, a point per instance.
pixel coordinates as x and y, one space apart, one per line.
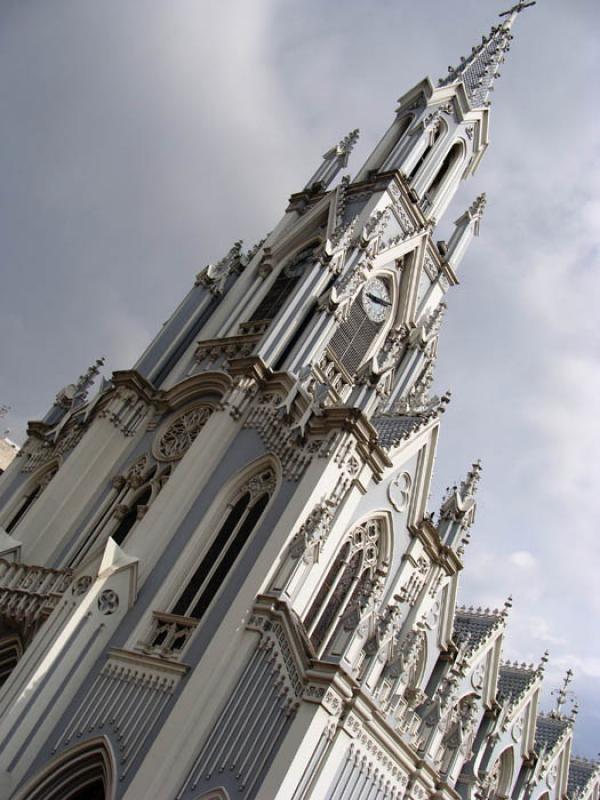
28 594
214 354
169 635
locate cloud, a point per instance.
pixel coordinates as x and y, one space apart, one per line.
140 140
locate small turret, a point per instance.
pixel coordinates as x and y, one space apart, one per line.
334 161
467 226
458 509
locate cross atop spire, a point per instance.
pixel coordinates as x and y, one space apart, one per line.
516 9
479 70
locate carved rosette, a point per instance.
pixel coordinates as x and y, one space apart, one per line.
175 440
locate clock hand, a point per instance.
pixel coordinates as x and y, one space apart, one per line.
379 300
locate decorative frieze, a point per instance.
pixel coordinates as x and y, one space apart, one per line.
295 454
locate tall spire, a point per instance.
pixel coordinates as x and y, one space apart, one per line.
479 71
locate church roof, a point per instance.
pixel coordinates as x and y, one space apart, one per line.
514 680
393 429
548 730
472 626
581 771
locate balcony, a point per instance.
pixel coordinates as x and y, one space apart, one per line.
28 594
214 354
169 635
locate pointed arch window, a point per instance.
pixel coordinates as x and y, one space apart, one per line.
434 136
128 502
240 519
451 160
349 577
31 495
283 286
391 160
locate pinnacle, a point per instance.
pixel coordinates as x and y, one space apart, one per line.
346 144
478 206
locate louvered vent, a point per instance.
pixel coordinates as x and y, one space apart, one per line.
353 338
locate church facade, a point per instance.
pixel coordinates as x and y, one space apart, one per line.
219 575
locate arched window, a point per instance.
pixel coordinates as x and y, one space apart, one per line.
390 160
368 313
130 516
127 503
239 520
434 136
352 571
36 487
452 158
85 773
283 286
499 779
11 650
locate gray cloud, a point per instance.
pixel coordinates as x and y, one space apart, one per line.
140 139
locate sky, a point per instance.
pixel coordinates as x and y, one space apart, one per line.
141 138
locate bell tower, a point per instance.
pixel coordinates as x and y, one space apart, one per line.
219 574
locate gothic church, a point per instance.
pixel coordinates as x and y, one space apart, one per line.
219 577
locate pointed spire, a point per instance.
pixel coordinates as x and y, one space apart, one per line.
334 160
479 70
467 226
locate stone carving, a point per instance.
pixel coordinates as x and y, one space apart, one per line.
108 602
313 533
214 276
399 491
81 585
181 433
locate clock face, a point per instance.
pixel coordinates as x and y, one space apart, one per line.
376 300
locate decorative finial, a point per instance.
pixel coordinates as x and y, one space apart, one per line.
478 206
507 606
346 145
543 661
4 409
335 159
76 393
562 694
469 486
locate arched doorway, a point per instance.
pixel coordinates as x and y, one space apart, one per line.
83 773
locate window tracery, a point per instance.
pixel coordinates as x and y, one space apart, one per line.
132 494
350 578
174 441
